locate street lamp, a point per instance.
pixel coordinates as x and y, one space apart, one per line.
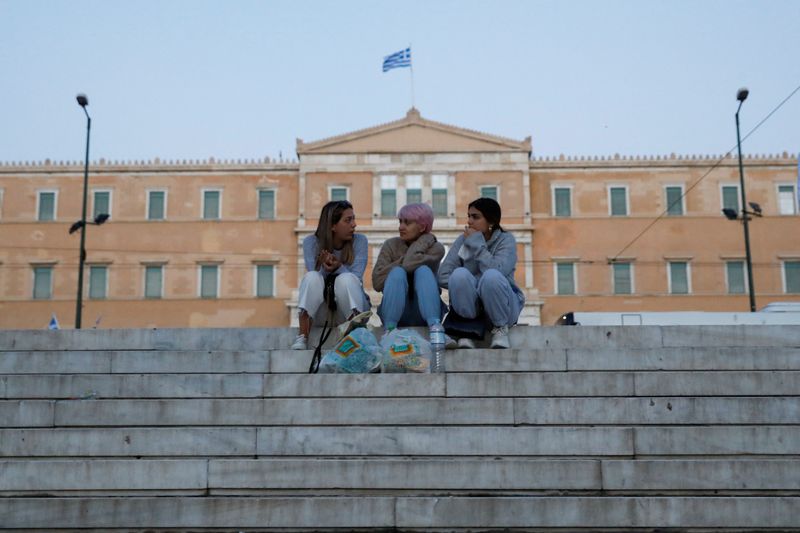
83 101
731 214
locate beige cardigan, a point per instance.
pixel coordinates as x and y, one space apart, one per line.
426 250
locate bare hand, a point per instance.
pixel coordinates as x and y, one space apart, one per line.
333 265
329 261
322 257
469 231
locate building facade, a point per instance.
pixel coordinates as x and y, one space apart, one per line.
217 243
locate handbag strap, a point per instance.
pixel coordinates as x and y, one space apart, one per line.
317 357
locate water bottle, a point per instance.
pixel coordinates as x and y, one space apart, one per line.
437 343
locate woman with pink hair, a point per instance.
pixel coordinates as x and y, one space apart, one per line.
406 271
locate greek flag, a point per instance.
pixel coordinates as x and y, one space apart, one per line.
397 60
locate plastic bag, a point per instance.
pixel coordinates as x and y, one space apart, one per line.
405 350
356 353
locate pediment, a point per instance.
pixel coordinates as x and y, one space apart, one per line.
413 134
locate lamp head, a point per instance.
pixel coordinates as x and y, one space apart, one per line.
742 94
730 213
82 99
101 218
75 227
756 208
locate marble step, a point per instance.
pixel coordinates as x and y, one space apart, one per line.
401 411
397 474
458 361
451 512
250 339
533 384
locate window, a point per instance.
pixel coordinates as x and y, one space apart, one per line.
339 194
618 201
679 277
101 203
730 197
791 277
156 205
266 204
209 281
153 281
42 282
565 278
562 201
439 195
787 200
46 206
734 275
489 191
413 189
265 281
98 277
389 196
211 203
623 283
674 196
1 203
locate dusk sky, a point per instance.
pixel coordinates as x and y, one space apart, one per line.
179 79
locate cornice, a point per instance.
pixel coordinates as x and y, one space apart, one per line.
291 165
153 165
666 160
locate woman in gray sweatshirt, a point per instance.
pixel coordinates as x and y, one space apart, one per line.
478 272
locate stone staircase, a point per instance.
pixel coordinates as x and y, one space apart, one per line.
618 428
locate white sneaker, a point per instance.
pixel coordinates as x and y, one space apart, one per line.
500 337
300 343
450 343
466 344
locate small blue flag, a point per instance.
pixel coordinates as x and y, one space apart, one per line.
53 322
397 60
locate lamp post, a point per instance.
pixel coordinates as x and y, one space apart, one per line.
83 101
742 96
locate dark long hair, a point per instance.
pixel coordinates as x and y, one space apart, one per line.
330 215
490 210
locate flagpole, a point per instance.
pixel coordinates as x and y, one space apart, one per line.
411 65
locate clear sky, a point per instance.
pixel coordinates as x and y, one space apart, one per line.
243 78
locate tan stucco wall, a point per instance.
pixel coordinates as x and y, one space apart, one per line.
128 242
702 235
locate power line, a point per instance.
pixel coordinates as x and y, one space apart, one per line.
695 184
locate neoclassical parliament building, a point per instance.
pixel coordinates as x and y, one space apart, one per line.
217 243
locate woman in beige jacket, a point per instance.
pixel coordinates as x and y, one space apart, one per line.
406 272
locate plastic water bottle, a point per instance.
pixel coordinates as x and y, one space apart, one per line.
437 343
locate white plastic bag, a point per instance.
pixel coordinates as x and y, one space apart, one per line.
405 350
356 353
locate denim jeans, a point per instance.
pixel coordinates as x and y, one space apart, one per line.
500 302
403 307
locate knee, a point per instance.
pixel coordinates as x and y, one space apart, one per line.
492 280
397 273
423 272
460 276
396 280
312 279
344 280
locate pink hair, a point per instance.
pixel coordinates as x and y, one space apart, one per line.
421 213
